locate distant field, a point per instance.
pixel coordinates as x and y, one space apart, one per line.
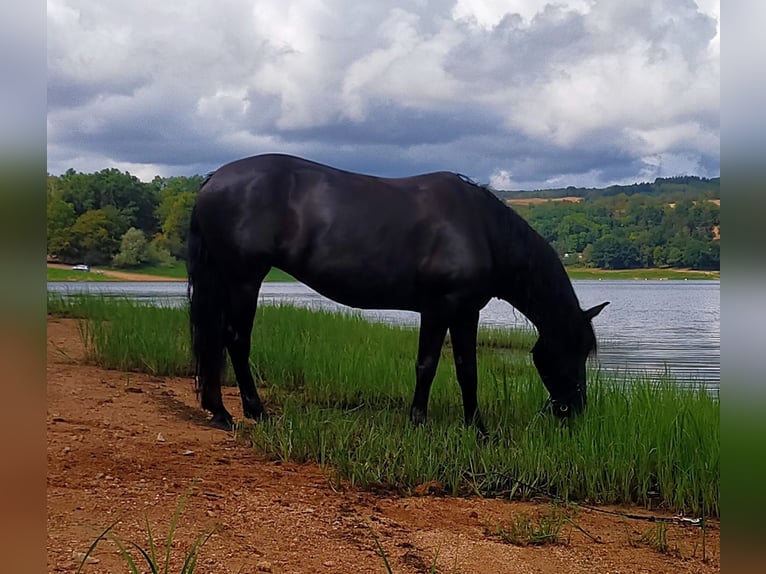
536 200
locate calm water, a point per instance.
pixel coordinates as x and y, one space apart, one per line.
650 326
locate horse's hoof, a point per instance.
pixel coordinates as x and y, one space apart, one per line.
222 421
253 411
480 430
258 416
417 416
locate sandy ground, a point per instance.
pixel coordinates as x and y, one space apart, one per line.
124 448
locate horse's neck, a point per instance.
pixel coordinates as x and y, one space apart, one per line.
551 310
537 285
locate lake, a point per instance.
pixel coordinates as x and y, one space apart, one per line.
650 327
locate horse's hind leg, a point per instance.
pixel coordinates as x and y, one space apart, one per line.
242 306
463 332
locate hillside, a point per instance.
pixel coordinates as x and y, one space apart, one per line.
670 188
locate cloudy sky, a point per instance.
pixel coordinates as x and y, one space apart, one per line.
520 94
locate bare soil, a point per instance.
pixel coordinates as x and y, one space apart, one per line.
125 448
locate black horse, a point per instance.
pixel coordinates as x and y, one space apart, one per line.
435 243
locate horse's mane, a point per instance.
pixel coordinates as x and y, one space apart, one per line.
484 187
207 177
470 180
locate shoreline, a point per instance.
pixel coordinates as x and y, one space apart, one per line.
574 274
114 275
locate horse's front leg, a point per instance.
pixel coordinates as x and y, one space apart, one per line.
463 333
433 329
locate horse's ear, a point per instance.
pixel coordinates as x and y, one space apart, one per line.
593 311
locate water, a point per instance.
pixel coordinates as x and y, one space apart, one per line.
650 327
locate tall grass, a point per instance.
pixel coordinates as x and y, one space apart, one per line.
339 389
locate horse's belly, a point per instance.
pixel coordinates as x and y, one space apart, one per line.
357 289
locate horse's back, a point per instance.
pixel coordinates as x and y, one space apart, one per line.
362 240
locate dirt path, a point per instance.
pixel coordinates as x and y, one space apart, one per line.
124 447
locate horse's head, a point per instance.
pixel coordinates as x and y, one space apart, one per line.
560 360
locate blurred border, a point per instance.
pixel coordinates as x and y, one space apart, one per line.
22 300
22 289
743 281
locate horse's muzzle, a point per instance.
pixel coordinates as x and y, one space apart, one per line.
570 406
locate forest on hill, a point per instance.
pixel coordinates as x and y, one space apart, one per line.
112 218
668 188
671 222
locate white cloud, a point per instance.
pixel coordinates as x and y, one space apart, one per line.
407 67
501 180
488 13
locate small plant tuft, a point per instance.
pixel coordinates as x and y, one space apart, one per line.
656 538
523 530
150 556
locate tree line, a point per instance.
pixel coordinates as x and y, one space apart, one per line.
112 218
631 231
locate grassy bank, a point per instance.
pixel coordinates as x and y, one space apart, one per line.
177 271
339 388
55 274
655 274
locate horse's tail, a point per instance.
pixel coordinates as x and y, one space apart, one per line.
207 320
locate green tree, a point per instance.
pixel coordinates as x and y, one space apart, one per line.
175 226
674 256
579 231
159 255
60 219
133 249
699 254
612 252
135 200
95 235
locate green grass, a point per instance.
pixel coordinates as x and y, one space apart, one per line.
176 271
55 274
339 388
664 274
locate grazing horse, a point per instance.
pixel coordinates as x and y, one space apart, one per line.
435 243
